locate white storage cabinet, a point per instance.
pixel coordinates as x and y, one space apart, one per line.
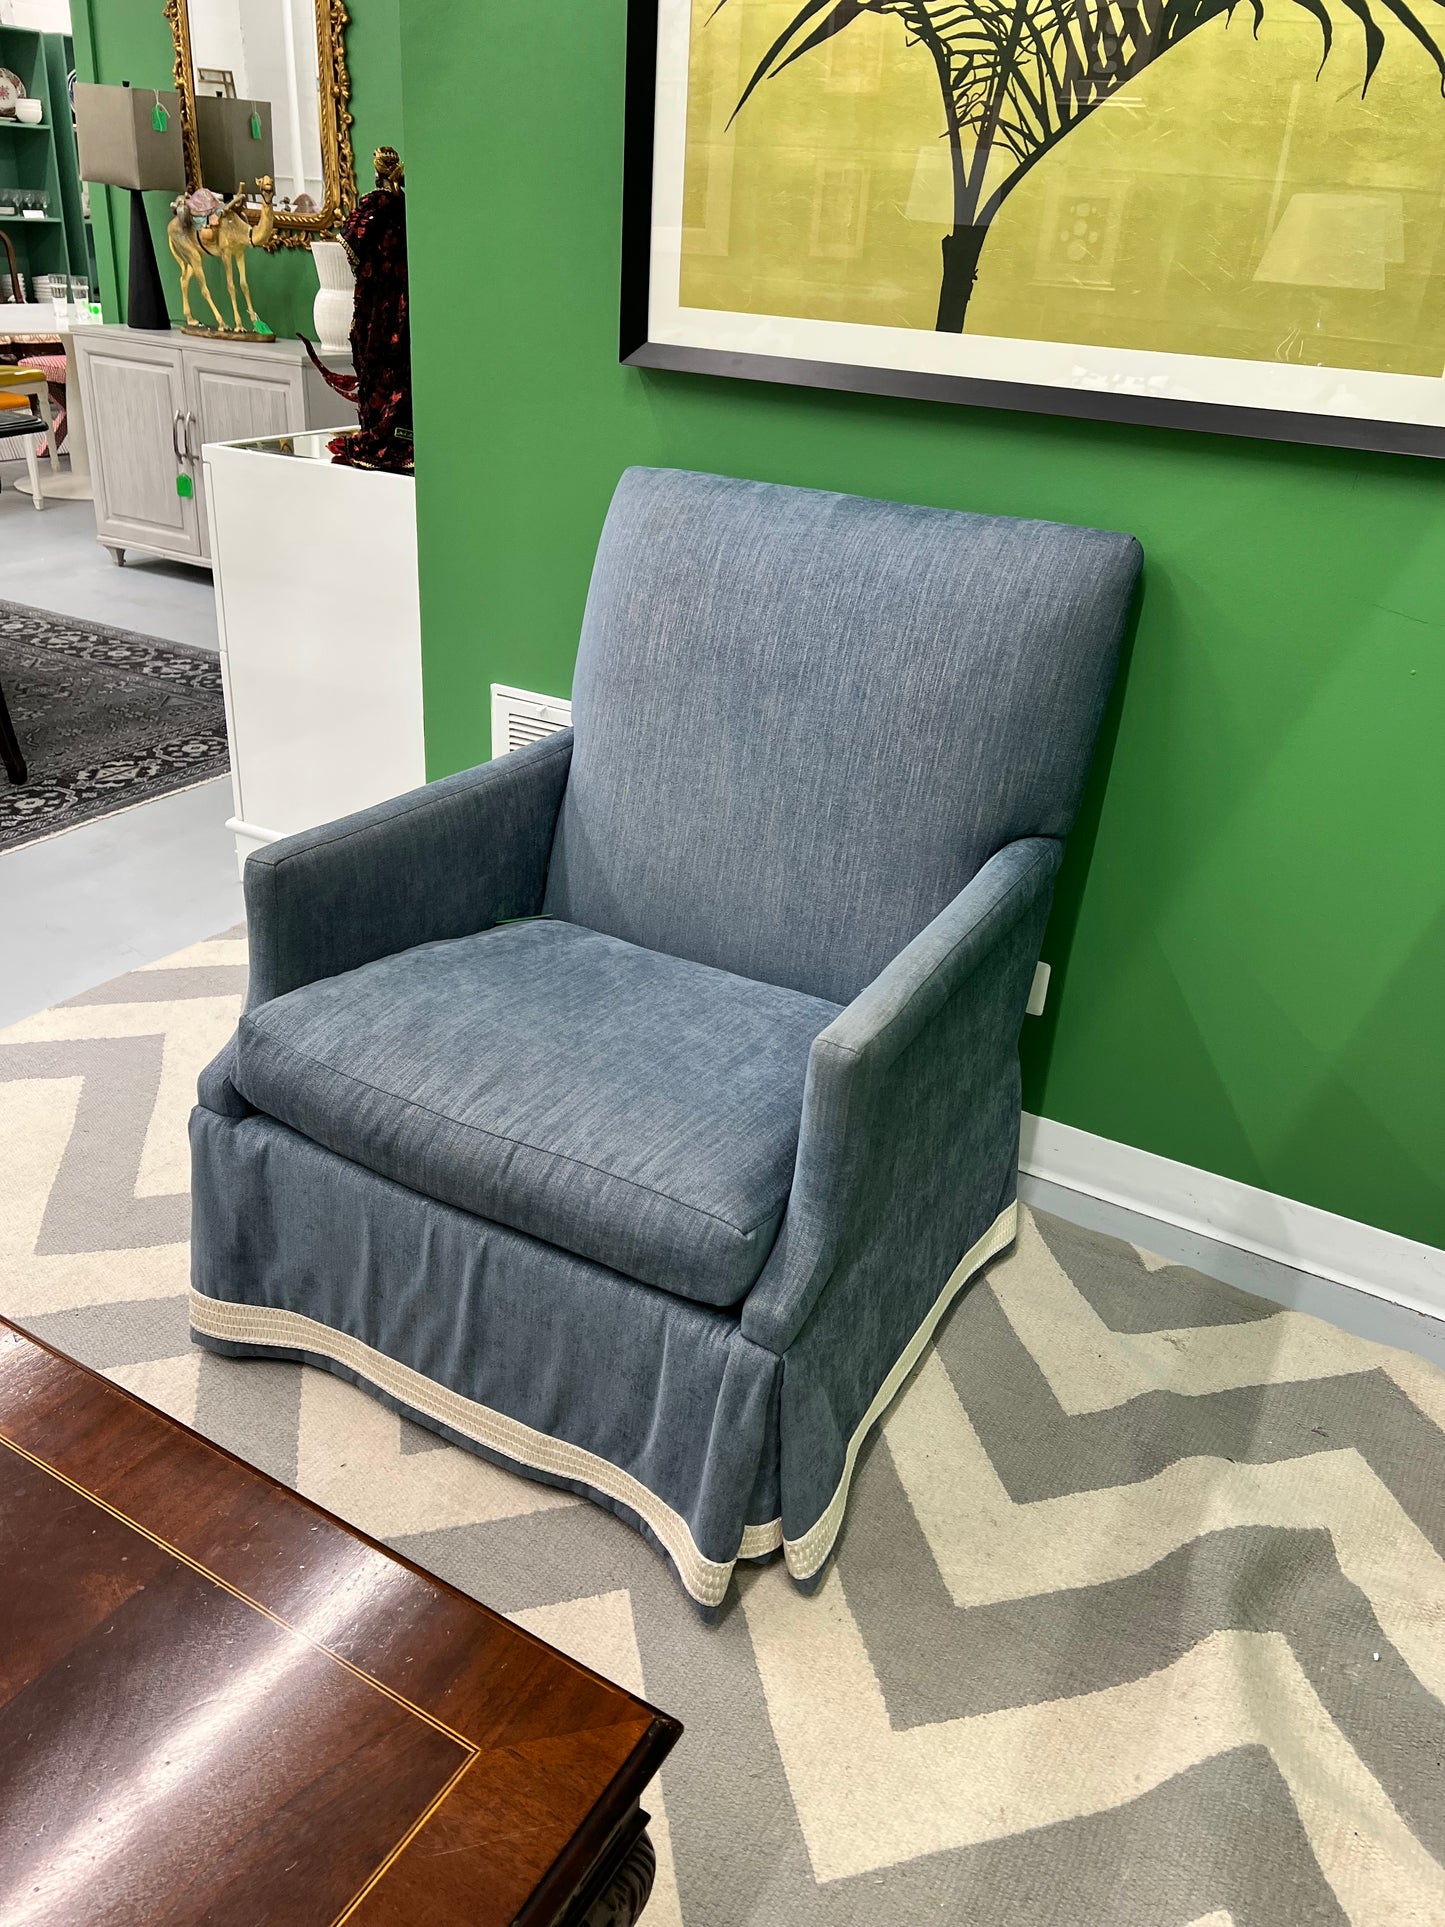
152 401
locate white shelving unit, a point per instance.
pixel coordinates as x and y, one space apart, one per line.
316 602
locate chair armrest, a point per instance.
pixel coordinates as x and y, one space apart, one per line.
891 1106
443 861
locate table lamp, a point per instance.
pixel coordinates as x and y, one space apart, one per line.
131 137
234 137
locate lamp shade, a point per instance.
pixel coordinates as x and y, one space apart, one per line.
230 151
120 146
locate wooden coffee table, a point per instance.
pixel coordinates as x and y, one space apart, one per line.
218 1704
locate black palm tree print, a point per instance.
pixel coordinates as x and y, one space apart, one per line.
1017 76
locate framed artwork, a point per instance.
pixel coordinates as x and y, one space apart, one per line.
1181 212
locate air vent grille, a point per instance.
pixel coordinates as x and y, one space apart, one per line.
521 716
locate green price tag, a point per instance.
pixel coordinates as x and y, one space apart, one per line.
160 119
255 125
185 487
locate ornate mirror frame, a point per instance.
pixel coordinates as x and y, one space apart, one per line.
338 163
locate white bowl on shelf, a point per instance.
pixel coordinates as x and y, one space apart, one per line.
30 111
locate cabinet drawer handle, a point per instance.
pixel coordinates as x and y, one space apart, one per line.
177 434
193 437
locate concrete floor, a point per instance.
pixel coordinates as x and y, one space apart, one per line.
93 902
52 560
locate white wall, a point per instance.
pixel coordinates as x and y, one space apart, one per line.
41 16
216 39
270 47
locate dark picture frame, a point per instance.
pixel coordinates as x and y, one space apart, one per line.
638 348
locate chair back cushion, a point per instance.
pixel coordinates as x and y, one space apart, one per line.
804 721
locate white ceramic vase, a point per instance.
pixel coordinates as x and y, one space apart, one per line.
335 297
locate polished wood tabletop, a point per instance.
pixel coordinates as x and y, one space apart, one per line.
220 1705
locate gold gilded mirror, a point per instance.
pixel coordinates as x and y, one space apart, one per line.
272 83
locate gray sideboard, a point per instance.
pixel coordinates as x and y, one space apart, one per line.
152 401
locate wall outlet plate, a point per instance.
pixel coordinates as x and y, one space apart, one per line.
1038 990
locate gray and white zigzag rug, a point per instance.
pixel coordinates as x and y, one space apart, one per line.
1138 1621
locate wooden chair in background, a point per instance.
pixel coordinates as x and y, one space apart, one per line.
25 414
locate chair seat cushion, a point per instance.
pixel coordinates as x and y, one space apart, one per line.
630 1107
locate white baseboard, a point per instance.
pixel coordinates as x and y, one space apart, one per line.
1290 1233
249 837
257 835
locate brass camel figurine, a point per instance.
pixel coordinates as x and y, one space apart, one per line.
224 230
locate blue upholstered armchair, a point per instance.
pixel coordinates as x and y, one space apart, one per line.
630 1109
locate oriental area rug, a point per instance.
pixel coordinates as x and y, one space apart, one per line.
105 720
1138 1619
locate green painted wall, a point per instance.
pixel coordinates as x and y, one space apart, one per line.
118 40
1250 938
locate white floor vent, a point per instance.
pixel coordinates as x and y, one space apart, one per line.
521 716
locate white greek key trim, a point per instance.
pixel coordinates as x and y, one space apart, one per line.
805 1555
706 1579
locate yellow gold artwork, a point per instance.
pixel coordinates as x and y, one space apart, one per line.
1238 196
1143 198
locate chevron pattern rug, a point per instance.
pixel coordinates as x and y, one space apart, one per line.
1139 1619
